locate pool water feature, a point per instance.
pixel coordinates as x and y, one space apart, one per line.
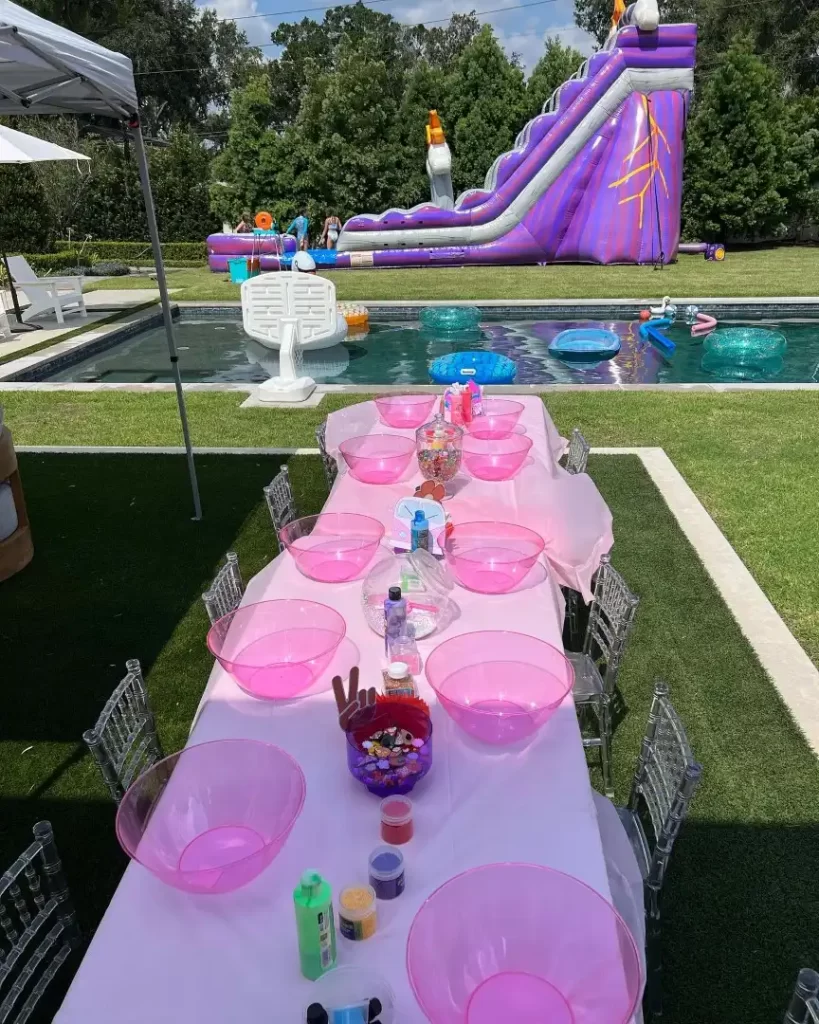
215 349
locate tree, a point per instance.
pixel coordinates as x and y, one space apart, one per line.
801 167
441 45
185 59
179 179
486 104
735 149
426 90
557 64
23 228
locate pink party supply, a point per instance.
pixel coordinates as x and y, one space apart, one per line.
497 459
377 458
211 817
405 411
521 942
332 547
277 649
498 419
491 558
499 686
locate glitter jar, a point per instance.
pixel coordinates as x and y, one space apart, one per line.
387 872
396 820
438 446
357 918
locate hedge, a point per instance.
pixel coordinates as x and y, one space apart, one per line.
53 263
140 253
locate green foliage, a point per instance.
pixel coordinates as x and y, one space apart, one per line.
801 166
486 108
735 180
179 180
177 254
556 66
22 200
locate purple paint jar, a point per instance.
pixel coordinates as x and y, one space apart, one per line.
387 872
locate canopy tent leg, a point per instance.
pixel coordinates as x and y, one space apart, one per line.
153 231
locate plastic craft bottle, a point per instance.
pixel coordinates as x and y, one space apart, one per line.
395 617
419 532
313 899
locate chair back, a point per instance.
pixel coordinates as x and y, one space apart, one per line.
327 460
267 298
38 927
577 456
804 1004
611 616
124 741
665 781
21 270
225 593
280 502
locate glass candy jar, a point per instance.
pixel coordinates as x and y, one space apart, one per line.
424 583
438 446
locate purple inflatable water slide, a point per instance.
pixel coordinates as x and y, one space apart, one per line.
595 178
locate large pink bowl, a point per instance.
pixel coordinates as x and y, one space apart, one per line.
378 458
211 817
499 419
491 558
499 686
520 942
277 649
332 547
405 411
495 460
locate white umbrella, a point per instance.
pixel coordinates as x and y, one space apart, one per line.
19 148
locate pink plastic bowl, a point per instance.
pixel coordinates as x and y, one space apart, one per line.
491 558
405 411
499 419
378 458
277 649
495 460
520 942
211 817
499 686
333 547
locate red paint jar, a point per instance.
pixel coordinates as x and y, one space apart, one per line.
396 820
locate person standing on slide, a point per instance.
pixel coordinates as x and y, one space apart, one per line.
331 231
298 227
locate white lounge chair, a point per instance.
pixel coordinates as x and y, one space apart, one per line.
60 294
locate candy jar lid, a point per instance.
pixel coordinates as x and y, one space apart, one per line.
438 429
435 576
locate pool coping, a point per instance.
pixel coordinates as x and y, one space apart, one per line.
28 372
791 671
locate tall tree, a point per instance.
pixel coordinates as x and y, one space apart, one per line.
179 178
735 150
23 228
557 64
801 165
486 106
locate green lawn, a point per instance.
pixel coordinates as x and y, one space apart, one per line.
118 571
781 271
750 456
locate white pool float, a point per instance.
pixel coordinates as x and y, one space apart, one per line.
269 299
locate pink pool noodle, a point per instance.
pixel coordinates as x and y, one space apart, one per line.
704 325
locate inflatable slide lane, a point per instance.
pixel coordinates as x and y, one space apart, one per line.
596 177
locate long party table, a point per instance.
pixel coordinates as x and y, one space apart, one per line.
163 955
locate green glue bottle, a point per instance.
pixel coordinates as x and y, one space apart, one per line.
313 898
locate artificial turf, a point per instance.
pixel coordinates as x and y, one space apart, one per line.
118 571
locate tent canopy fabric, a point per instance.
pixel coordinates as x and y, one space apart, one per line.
46 69
19 148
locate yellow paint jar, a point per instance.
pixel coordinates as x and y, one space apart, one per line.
357 917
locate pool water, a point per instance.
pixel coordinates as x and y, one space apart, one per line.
218 351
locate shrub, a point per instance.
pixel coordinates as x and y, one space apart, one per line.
141 254
110 268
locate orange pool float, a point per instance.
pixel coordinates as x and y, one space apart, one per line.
263 221
355 315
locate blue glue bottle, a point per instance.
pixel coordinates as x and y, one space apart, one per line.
419 532
395 616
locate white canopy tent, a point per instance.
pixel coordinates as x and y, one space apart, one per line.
45 69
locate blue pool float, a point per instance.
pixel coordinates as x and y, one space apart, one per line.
482 367
650 331
585 344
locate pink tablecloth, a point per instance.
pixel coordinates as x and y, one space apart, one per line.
567 511
161 955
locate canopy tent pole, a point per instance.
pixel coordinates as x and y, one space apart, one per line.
153 231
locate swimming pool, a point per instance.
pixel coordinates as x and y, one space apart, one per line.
214 349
